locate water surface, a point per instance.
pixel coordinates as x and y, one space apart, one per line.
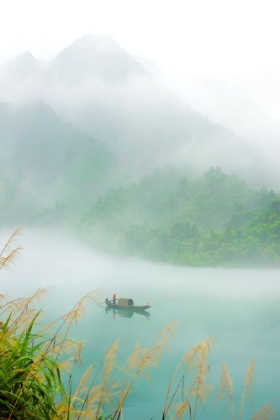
239 308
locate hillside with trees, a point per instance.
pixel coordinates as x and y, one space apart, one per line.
91 142
208 221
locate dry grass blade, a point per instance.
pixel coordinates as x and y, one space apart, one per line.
22 313
106 390
144 358
79 309
181 409
11 252
265 413
78 353
249 384
11 242
64 346
25 318
135 358
97 396
92 397
194 360
167 333
226 388
200 390
66 365
14 305
153 357
9 260
81 388
74 315
110 357
198 353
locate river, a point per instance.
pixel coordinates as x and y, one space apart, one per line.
239 308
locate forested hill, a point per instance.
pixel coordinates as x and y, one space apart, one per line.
34 141
44 161
213 220
170 216
76 132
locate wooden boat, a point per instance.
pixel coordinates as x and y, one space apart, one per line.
124 303
127 313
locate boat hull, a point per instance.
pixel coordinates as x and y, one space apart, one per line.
130 308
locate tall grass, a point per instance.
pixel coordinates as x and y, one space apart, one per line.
227 395
30 381
11 251
190 379
36 367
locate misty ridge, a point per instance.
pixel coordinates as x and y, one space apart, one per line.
106 93
247 104
94 142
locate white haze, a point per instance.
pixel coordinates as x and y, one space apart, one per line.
248 105
219 57
140 118
56 261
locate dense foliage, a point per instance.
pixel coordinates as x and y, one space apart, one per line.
53 175
213 220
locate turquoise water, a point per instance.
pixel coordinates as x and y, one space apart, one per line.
243 328
238 308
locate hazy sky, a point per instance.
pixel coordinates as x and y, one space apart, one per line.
199 38
220 56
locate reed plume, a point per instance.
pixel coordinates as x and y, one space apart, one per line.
194 366
108 386
226 389
76 313
181 409
142 359
226 392
267 412
248 387
11 251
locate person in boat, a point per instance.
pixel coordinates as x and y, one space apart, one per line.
114 298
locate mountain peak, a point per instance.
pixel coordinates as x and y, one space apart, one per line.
93 56
22 67
94 41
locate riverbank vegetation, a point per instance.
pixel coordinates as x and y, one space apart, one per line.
36 379
215 220
170 216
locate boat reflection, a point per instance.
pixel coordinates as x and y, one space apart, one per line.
126 313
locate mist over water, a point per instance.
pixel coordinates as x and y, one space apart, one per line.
52 258
161 143
238 307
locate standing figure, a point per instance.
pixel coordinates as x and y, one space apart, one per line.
114 298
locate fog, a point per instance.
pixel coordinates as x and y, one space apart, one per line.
94 98
54 259
219 58
247 104
146 120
